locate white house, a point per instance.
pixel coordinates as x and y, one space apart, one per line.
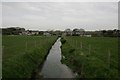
46 34
78 32
89 35
68 32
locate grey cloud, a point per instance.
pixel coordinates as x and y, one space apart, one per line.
60 15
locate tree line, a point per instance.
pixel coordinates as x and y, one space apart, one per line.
107 33
101 33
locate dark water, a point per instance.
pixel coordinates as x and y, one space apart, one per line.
53 68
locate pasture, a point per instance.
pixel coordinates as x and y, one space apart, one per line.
23 54
91 57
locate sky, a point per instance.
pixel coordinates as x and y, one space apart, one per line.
60 15
60 0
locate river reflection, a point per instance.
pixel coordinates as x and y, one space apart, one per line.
53 68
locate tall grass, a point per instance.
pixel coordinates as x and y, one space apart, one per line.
22 54
95 57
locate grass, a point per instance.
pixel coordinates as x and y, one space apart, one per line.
91 57
23 54
0 55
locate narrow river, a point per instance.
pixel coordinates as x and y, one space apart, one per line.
52 67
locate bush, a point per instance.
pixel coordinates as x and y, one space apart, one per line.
71 50
63 41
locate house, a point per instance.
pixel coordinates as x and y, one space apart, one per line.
41 32
78 32
29 32
89 35
67 32
46 33
82 32
34 32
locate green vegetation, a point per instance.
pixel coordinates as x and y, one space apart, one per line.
0 55
91 57
23 54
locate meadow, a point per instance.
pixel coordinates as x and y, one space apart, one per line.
91 57
22 54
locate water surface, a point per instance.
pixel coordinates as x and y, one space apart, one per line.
53 68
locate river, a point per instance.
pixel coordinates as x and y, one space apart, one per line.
52 67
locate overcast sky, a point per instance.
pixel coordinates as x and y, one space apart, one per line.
60 15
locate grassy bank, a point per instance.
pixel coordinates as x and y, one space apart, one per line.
23 54
95 57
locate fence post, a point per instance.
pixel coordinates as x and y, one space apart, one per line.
82 67
76 43
35 43
76 46
109 55
26 46
89 49
2 49
81 45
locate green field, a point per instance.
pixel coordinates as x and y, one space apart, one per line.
23 54
0 55
91 57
